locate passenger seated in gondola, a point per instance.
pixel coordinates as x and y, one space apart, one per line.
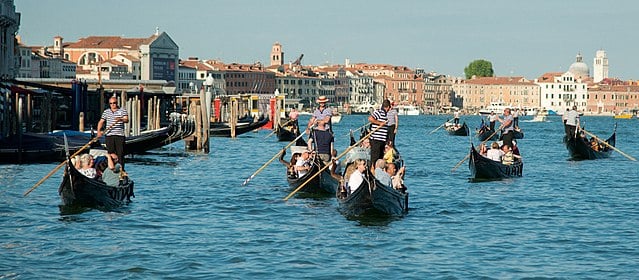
380 173
509 157
303 164
594 144
101 164
483 149
494 152
389 153
111 175
397 177
337 165
516 149
290 166
85 166
357 177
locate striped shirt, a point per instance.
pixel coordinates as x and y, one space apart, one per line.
109 116
380 134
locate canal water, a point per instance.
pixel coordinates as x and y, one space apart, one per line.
192 218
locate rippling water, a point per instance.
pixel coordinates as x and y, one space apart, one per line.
191 218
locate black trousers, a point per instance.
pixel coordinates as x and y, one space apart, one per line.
115 145
391 134
492 126
570 130
377 150
507 138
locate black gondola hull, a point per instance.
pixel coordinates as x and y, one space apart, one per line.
482 168
79 190
579 148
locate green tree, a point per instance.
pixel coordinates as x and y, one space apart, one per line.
479 68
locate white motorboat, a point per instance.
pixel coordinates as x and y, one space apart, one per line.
407 110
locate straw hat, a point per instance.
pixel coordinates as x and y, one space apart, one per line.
322 99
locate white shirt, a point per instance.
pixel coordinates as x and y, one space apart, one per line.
355 180
495 154
492 118
301 173
572 117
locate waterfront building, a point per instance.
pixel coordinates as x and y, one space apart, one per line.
9 24
559 91
481 92
600 66
610 97
157 55
438 92
579 69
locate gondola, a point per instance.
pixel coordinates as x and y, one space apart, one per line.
324 183
485 133
224 129
371 196
482 168
579 148
517 134
79 190
287 130
457 131
38 148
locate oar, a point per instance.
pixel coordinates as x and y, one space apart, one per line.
272 159
275 129
338 157
610 146
64 162
468 155
438 127
349 133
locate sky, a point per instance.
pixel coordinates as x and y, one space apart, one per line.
519 38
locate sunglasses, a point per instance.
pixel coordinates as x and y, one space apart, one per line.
113 103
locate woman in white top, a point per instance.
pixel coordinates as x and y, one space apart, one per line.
495 153
85 166
357 177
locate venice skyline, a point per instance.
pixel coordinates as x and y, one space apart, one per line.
519 41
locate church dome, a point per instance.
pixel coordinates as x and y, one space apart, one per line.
579 68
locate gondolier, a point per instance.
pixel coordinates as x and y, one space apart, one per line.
321 113
507 127
379 136
572 122
115 118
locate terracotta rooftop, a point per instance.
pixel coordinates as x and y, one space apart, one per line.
109 42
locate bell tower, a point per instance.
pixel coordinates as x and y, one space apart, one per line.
600 66
277 55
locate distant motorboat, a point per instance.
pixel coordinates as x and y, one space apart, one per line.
542 116
407 110
336 117
499 107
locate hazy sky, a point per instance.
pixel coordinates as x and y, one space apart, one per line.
520 38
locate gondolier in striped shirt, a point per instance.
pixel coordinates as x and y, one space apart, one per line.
378 139
115 118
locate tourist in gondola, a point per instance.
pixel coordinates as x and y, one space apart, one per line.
507 127
378 139
290 166
84 164
358 176
321 113
323 141
397 176
115 118
494 153
393 123
572 122
483 149
380 173
303 164
336 167
111 175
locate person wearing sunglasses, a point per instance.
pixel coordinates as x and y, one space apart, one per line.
115 118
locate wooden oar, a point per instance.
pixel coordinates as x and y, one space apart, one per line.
438 127
272 159
610 146
65 162
275 129
338 157
468 155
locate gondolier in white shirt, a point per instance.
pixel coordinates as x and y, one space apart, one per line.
492 119
115 118
572 122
